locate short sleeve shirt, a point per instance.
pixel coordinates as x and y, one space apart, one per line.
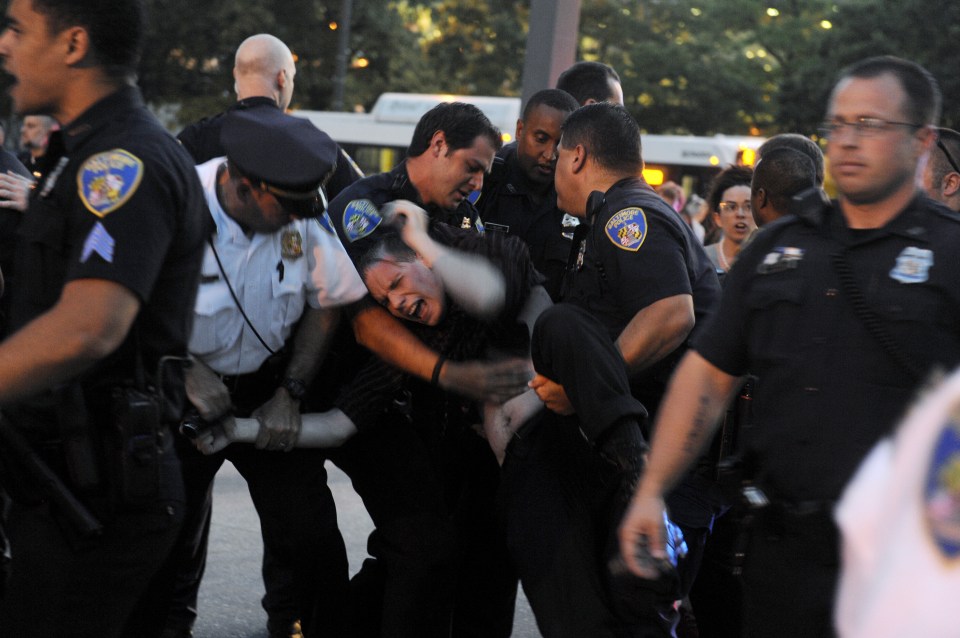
273 275
827 390
122 203
634 252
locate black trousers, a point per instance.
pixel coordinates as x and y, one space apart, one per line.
790 576
438 564
562 502
305 570
61 587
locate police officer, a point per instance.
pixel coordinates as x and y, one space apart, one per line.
782 173
430 578
590 82
840 311
271 266
263 75
637 284
109 259
518 197
941 175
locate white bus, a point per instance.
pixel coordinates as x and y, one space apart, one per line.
378 140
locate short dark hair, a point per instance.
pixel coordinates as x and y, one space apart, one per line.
553 98
116 30
728 178
797 142
609 134
588 81
461 124
940 165
389 246
782 173
923 94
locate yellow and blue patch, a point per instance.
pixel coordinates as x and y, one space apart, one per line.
942 491
106 181
627 229
360 218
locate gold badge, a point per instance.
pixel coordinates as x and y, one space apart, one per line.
291 244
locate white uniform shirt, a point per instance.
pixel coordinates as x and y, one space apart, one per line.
900 519
271 282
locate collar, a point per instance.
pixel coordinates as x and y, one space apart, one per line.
913 222
517 181
100 115
252 101
401 187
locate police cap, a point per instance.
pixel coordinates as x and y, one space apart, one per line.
287 156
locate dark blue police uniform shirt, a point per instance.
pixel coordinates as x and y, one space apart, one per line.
120 202
202 141
827 389
355 213
507 204
633 251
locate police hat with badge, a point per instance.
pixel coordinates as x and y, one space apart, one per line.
284 155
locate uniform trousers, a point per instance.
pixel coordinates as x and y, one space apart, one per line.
305 570
438 565
63 586
790 575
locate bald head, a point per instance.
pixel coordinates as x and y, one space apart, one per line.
264 67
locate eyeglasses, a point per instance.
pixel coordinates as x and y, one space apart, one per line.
731 207
862 126
950 159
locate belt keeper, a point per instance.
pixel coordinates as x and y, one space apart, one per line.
435 378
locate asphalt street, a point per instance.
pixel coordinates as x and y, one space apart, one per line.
229 605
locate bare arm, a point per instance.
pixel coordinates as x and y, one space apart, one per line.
656 331
698 394
321 429
88 322
280 416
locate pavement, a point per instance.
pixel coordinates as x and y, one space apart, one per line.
229 605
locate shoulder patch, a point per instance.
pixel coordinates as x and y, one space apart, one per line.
360 218
106 181
323 221
627 229
942 490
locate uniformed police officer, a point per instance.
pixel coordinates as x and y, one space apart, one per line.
638 283
110 254
518 197
271 266
432 580
840 311
263 77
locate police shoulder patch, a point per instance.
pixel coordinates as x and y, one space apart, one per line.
106 181
942 490
360 218
627 229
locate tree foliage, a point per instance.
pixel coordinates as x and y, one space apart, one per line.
688 66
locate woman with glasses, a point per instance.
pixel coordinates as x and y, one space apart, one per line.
730 202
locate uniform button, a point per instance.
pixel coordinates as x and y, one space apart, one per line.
831 292
811 390
170 510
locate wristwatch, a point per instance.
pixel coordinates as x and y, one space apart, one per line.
296 388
